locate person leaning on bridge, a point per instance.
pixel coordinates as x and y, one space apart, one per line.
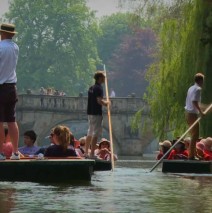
8 93
94 111
193 109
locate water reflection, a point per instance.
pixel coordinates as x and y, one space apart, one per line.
127 189
6 199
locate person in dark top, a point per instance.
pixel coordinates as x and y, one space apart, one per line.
94 111
179 152
61 138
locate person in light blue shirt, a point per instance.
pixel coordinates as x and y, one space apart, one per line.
8 93
29 141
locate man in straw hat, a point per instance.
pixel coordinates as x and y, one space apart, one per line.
192 109
8 92
94 111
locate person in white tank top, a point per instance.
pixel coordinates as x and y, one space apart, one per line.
193 109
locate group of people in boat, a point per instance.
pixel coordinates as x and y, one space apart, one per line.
62 144
191 148
203 149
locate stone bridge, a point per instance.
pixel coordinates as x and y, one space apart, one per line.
41 113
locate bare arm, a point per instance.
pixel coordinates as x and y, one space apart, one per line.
196 104
102 101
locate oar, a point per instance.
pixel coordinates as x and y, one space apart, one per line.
109 119
205 112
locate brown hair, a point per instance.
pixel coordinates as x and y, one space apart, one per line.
63 134
198 77
98 75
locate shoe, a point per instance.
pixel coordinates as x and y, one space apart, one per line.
15 156
40 156
2 156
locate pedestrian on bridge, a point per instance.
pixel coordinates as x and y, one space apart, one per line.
8 93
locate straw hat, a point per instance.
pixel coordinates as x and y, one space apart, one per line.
8 28
187 140
165 143
207 141
104 140
200 145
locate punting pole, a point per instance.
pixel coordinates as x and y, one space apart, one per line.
205 112
109 119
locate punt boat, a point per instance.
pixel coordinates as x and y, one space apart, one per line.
51 170
187 166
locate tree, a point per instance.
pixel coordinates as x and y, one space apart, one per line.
184 48
120 48
130 62
113 29
57 41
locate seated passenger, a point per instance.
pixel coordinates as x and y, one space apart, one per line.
200 152
179 152
61 140
104 152
29 140
164 147
208 146
81 148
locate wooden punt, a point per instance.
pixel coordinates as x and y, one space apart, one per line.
47 170
102 165
187 166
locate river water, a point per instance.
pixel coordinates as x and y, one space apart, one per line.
129 188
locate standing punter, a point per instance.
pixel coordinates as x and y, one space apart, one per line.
94 111
8 92
192 110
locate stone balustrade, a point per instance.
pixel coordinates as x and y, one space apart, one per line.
76 104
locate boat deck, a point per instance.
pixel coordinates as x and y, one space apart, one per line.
187 166
47 170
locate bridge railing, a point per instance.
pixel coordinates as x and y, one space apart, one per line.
76 104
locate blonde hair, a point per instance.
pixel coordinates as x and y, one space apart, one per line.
63 134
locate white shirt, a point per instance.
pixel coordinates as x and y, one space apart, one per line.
193 94
112 94
8 61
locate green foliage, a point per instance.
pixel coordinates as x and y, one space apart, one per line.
125 47
177 60
130 62
113 29
136 121
57 41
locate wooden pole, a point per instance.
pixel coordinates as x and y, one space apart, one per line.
109 119
186 132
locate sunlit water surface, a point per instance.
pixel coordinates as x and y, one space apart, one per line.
129 188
